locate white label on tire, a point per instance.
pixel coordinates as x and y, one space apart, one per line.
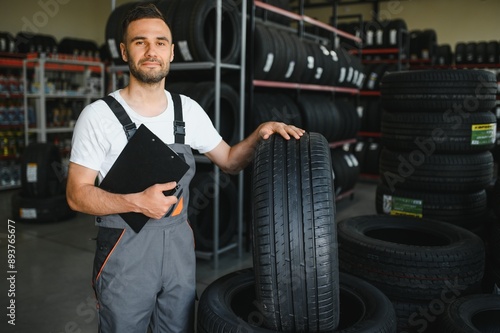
359 147
348 161
291 67
269 62
380 37
27 213
310 62
113 48
369 38
342 74
184 48
360 111
31 172
319 73
393 36
387 204
350 73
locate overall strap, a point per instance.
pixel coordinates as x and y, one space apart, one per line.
179 125
120 113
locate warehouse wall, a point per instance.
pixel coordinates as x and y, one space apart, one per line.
457 20
453 20
60 18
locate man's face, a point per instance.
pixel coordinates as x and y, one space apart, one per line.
148 50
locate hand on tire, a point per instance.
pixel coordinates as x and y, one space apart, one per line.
286 131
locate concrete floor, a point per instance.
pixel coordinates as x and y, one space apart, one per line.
53 292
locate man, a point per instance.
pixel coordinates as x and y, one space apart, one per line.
147 278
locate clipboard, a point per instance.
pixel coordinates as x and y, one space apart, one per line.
145 161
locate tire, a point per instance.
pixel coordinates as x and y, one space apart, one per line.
319 114
439 90
274 107
470 314
346 169
228 305
433 132
204 94
201 207
114 31
40 210
467 210
295 257
195 35
410 258
41 171
436 172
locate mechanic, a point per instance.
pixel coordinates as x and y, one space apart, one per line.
147 279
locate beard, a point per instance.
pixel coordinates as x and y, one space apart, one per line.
148 77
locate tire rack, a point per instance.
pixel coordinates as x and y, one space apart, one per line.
301 19
217 65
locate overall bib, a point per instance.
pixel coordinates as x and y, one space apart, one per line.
148 278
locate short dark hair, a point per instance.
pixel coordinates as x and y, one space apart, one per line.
140 11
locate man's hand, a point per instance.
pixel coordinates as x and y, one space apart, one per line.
152 202
265 130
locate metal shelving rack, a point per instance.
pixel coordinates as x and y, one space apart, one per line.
42 64
217 66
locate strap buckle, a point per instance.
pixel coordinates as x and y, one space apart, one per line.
130 130
179 127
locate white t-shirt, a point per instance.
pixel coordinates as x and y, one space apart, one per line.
99 137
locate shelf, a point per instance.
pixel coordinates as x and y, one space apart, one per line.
425 64
301 86
10 187
369 93
11 95
370 134
343 195
12 128
376 51
51 130
337 144
307 19
67 65
63 95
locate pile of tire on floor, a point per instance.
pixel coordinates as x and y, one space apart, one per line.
436 166
42 197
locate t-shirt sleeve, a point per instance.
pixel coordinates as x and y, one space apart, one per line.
89 145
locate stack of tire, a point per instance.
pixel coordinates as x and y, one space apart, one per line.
203 92
424 45
491 282
421 265
346 169
367 152
335 119
295 285
194 34
42 197
377 35
437 130
280 55
477 53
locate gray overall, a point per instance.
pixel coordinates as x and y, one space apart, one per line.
148 278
